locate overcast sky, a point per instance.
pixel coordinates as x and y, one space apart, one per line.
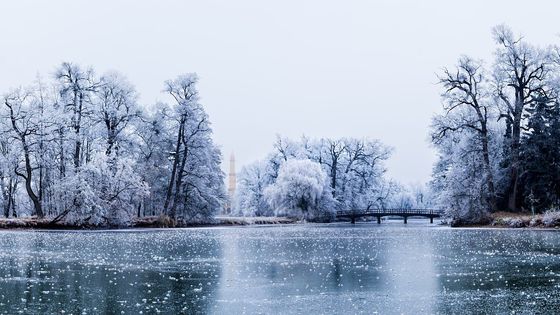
319 68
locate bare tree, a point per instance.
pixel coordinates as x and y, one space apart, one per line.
520 74
334 150
465 89
8 179
192 121
76 85
24 127
116 107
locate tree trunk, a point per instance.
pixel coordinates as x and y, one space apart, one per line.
28 181
77 149
174 168
6 196
333 176
77 125
28 168
513 190
61 166
488 166
179 182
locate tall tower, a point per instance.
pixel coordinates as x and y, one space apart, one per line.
232 183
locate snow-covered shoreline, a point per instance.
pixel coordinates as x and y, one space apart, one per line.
549 221
140 223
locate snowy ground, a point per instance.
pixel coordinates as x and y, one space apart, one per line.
144 222
253 220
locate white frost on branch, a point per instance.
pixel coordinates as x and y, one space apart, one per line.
301 190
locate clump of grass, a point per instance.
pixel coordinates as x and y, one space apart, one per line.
165 221
551 218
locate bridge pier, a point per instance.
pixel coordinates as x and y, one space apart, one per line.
431 220
405 219
378 220
353 220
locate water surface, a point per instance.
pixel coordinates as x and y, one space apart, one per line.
367 268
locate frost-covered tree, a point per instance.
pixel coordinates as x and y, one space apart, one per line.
520 77
196 180
22 125
468 108
496 138
107 190
301 190
75 87
154 143
413 196
459 187
116 107
252 180
354 167
8 178
360 177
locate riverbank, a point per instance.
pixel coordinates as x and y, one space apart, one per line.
143 222
504 219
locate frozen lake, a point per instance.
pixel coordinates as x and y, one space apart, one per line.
390 268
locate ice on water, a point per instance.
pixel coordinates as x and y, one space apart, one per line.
331 268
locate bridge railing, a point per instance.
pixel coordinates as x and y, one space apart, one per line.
394 211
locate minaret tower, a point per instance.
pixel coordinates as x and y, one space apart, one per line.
232 183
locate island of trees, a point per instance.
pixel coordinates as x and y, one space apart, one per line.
78 149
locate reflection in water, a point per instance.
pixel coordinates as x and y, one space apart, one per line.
339 268
500 271
296 270
110 272
411 276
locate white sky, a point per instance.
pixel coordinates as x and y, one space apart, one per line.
291 67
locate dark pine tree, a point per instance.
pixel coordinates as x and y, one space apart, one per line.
540 158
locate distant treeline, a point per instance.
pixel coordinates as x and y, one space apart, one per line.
312 178
499 135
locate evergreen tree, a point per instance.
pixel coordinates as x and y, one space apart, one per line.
541 156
